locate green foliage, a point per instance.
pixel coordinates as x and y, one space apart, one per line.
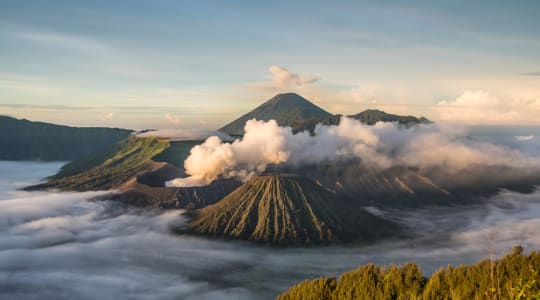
316 289
108 168
515 277
26 140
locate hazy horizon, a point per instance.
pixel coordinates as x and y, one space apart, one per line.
203 63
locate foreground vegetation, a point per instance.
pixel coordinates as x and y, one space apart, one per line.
515 276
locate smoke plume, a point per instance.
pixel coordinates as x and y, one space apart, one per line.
381 146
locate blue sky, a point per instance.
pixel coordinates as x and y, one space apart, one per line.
162 64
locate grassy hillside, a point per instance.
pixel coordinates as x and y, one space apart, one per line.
515 276
287 210
108 168
26 140
139 168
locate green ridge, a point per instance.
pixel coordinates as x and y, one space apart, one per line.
108 168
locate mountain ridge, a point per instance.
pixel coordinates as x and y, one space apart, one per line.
291 109
22 139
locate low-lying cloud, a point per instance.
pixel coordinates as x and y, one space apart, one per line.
65 246
522 138
184 134
380 146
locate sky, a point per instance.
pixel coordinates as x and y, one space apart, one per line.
185 64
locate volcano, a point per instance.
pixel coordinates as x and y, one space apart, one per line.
288 210
284 108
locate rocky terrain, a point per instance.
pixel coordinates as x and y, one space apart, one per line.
288 210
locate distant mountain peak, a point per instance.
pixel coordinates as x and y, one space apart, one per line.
287 97
285 108
372 116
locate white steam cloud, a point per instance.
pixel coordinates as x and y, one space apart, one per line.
380 146
263 143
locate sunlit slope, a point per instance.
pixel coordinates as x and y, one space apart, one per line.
138 169
109 168
287 210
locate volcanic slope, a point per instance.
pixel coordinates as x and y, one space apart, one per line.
284 108
138 169
288 210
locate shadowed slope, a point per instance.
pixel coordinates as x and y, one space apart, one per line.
136 193
285 210
284 108
412 187
27 140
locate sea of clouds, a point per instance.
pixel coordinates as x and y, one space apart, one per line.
68 246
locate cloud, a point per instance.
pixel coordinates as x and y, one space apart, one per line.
380 146
75 42
262 144
478 107
522 138
530 73
285 78
185 134
108 116
173 119
63 246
